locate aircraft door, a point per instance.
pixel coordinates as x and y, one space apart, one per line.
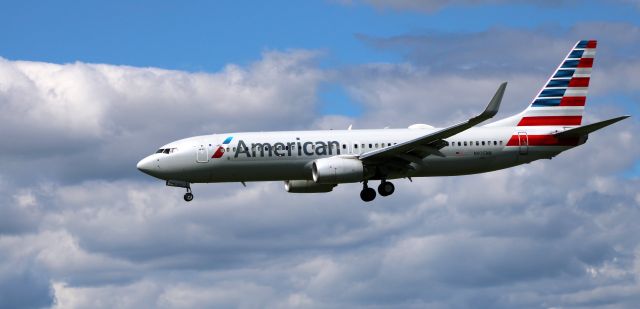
202 154
523 141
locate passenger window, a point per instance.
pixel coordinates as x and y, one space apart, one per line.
234 149
370 146
344 146
362 146
376 145
500 143
482 143
389 145
477 143
465 143
459 143
355 146
495 143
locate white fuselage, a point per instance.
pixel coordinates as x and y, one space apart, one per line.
288 155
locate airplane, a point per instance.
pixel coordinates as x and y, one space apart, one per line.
318 161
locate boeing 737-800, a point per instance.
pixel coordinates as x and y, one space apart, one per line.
317 161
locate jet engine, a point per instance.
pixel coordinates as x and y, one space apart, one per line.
337 170
307 186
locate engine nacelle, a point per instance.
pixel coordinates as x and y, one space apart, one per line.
337 170
307 186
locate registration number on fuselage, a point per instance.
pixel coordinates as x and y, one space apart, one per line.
482 153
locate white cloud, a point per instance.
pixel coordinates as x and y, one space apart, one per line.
75 111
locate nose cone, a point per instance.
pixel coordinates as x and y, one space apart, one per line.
147 165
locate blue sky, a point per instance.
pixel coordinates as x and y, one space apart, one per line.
88 88
206 35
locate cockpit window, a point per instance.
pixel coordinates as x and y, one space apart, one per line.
167 150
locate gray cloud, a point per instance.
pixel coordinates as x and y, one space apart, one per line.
432 6
503 50
439 67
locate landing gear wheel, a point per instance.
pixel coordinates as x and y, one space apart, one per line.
367 194
386 188
188 196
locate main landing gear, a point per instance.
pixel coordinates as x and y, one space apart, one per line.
369 194
386 188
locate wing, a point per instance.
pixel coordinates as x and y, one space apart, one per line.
413 151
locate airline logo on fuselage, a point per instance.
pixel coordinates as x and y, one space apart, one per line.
220 151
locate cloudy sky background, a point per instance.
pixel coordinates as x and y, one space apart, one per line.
87 89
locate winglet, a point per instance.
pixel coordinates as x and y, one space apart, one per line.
493 106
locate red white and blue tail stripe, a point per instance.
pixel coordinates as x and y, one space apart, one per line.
561 101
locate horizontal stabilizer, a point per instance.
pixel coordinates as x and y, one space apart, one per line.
584 130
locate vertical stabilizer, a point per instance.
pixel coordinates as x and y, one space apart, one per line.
562 100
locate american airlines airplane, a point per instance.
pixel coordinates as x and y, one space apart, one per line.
317 161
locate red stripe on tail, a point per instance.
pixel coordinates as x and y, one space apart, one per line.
551 121
585 63
579 82
573 101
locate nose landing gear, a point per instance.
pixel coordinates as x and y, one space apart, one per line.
182 184
188 196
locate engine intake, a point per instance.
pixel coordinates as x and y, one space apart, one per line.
337 170
307 186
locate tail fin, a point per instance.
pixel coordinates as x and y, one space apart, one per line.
561 101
